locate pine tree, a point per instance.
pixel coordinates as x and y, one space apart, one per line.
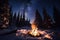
11 15
1 14
56 15
14 19
38 19
47 19
21 20
24 15
18 19
4 13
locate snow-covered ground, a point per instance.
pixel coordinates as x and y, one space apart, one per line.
9 34
12 35
8 37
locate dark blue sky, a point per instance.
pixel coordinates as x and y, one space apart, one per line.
17 5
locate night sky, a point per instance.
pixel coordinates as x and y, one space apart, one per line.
32 5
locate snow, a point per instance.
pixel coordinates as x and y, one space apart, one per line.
12 36
4 31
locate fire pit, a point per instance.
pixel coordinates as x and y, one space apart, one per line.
34 33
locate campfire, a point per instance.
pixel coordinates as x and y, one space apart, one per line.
34 32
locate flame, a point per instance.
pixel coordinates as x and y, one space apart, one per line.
48 36
34 31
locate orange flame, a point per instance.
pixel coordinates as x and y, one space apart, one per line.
34 31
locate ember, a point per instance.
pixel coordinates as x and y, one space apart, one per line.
34 33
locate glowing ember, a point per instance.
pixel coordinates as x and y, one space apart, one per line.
5 18
34 31
48 36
